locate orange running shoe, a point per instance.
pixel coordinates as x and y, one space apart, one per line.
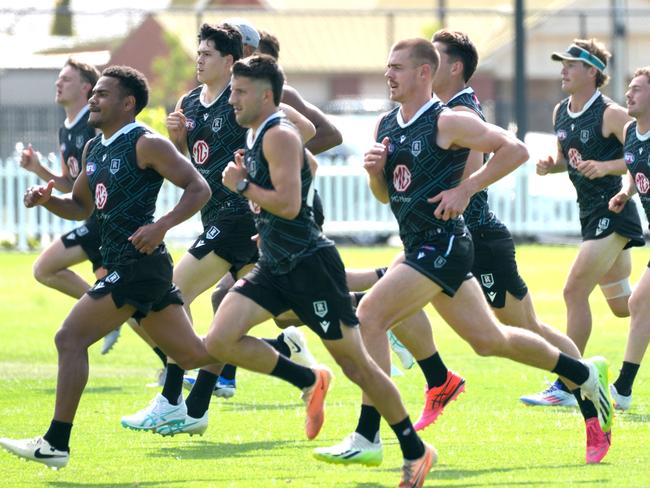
438 397
415 472
314 398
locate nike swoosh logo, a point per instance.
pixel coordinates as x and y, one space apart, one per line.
39 455
298 348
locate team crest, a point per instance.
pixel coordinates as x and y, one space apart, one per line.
115 166
629 158
216 124
79 142
190 124
212 232
439 262
416 148
584 136
113 277
90 168
561 134
603 224
320 308
642 183
251 166
82 231
487 280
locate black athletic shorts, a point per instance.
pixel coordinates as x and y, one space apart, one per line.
446 260
87 236
229 237
315 290
145 283
317 210
495 266
600 224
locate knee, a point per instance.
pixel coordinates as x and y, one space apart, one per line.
66 341
484 345
218 348
41 272
571 293
371 318
636 306
355 371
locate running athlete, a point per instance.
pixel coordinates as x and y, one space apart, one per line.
121 174
590 132
636 152
299 269
420 154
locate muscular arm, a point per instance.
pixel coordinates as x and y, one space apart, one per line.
374 162
160 155
176 127
302 123
327 136
615 119
475 158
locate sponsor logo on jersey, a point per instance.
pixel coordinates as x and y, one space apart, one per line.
575 157
629 158
73 166
79 142
90 168
101 196
487 280
115 166
401 178
603 224
212 232
642 183
561 134
200 152
584 135
320 309
416 148
216 124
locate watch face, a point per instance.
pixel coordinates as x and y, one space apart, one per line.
242 185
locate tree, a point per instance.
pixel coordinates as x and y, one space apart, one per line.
172 74
62 22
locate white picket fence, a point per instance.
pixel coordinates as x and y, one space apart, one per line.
519 200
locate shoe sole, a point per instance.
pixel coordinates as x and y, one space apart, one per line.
315 419
172 433
459 389
24 458
533 403
149 429
346 461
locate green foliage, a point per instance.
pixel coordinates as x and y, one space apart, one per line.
62 21
154 117
485 439
173 73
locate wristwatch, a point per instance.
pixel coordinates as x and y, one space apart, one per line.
242 186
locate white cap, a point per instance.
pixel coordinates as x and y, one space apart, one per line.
250 36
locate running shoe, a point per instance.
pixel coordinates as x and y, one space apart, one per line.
354 449
553 396
110 339
38 450
295 341
156 415
400 350
621 402
438 397
596 389
189 425
415 472
598 442
314 398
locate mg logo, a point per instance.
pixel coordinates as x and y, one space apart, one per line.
401 178
101 196
574 157
642 183
200 152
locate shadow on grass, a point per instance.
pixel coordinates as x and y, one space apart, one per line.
128 484
88 391
242 407
217 450
633 417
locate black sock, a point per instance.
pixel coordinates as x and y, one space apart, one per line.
434 370
358 295
173 383
572 369
411 445
198 401
380 272
587 408
369 420
293 373
279 345
58 435
228 372
559 384
625 378
161 355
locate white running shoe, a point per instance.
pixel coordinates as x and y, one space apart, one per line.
190 426
297 344
621 402
37 449
225 388
404 355
354 449
157 414
110 339
553 396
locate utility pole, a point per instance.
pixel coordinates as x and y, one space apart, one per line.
618 62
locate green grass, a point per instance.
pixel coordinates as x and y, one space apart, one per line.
486 438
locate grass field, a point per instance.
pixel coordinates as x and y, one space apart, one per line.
486 438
